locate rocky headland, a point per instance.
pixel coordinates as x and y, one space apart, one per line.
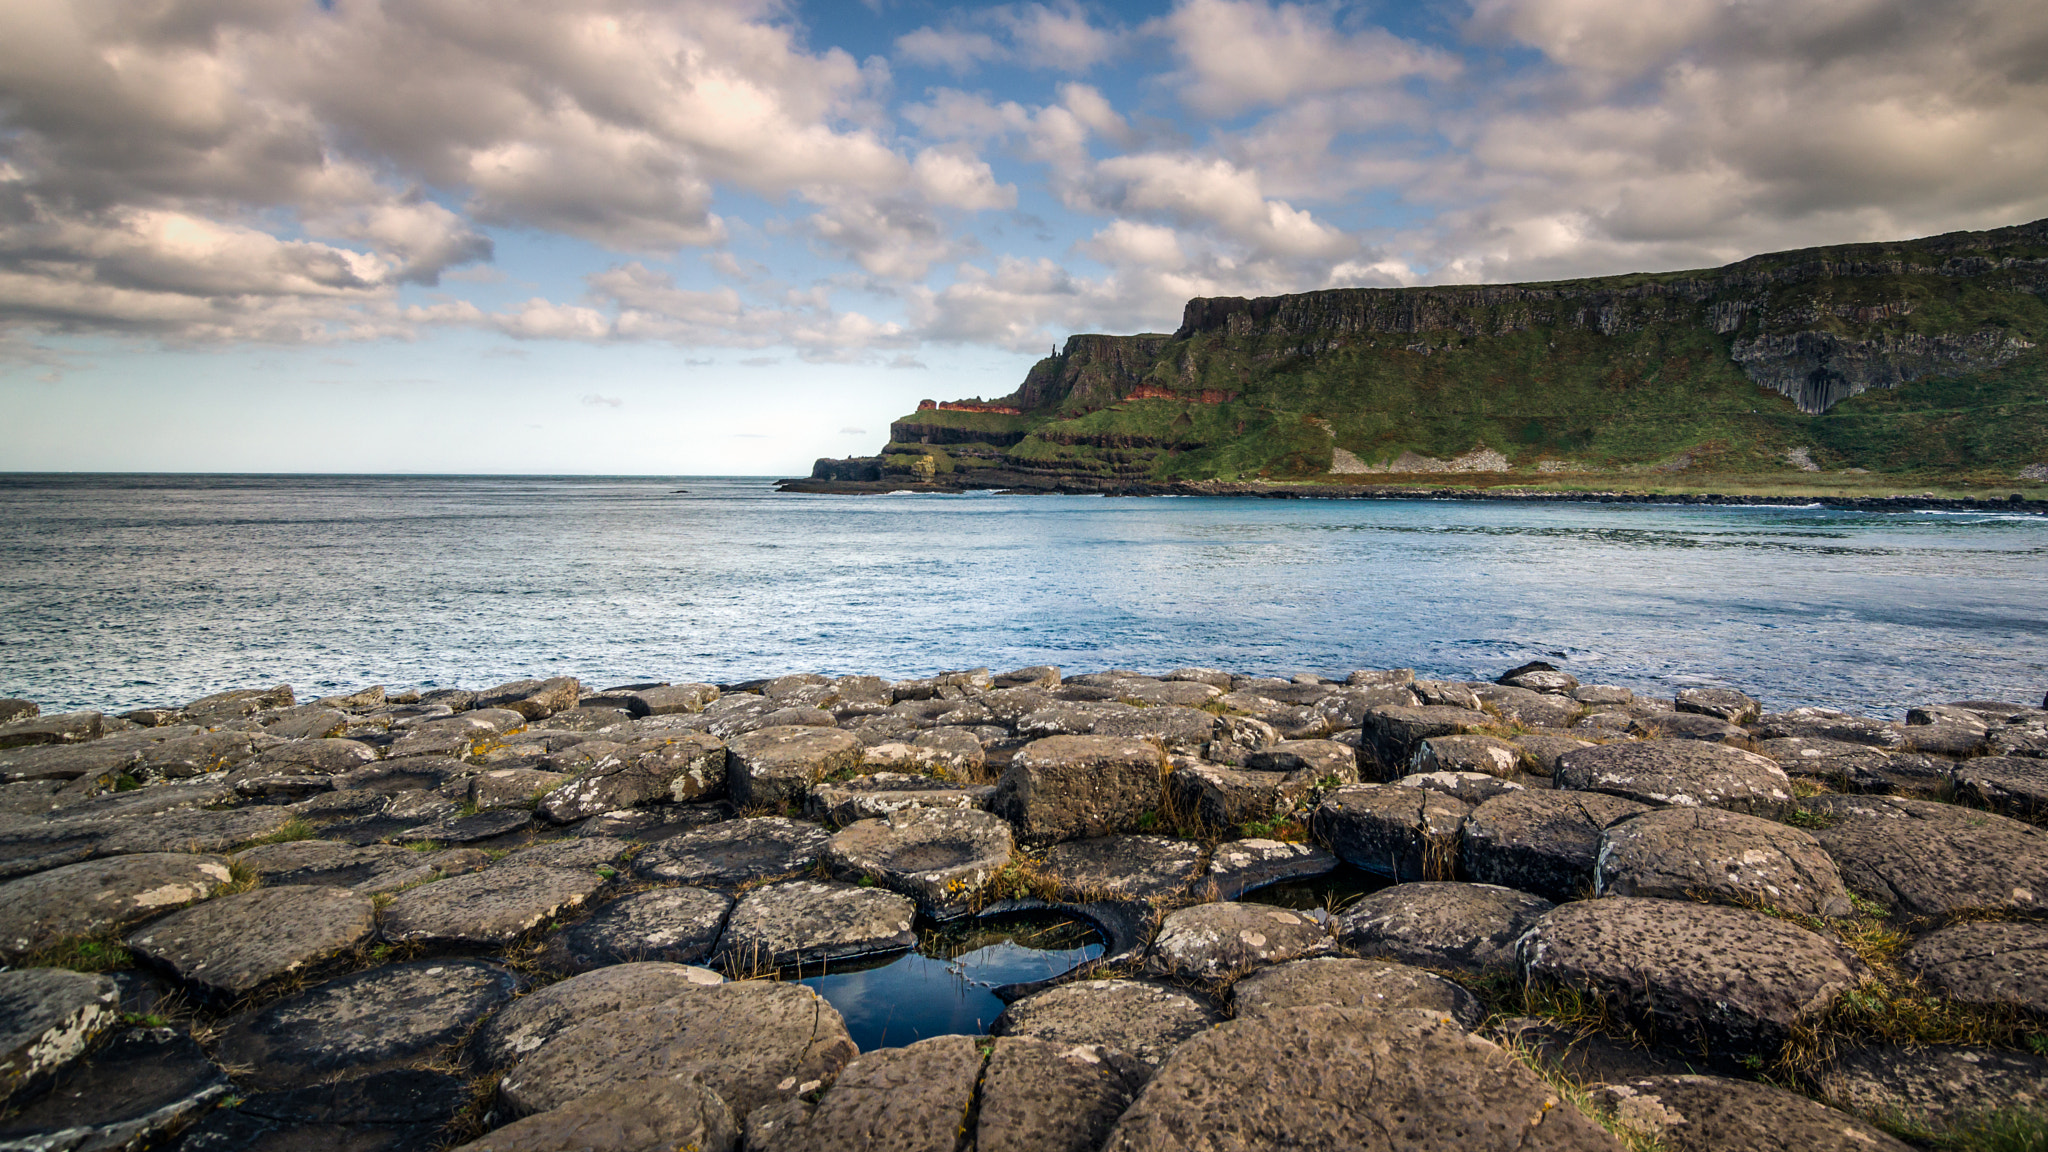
1915 360
534 917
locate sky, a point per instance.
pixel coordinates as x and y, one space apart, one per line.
731 236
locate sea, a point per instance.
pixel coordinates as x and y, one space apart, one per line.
127 591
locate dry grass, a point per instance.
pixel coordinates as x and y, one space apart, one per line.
292 829
1573 1092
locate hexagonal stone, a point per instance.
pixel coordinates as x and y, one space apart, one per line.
328 863
1934 1086
61 728
754 1043
879 794
687 766
679 925
1433 1085
909 1099
237 944
1124 867
1725 857
1541 842
382 1018
1708 1113
2014 785
1463 927
1211 941
1928 859
1473 788
1043 1097
1847 767
1405 833
134 1092
940 857
1686 773
1074 787
1392 734
1720 703
1828 724
1349 983
1488 754
537 1017
735 852
656 1112
803 922
470 829
491 908
1240 866
533 699
48 1017
771 767
581 852
1144 1021
1987 962
95 896
1735 980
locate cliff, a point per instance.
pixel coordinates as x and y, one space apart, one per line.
1914 357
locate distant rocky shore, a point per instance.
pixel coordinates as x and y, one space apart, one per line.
539 918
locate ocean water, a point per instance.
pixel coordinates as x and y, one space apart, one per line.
119 592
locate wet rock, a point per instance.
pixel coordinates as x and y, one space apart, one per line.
1392 734
1472 788
48 1017
1735 980
1145 1021
910 1099
1124 867
883 793
1927 859
1405 833
1241 866
1686 773
533 699
1072 787
1724 857
1211 941
1708 1113
674 1111
1347 983
1433 1085
678 925
940 857
96 896
777 766
1720 703
1990 962
1935 1086
143 1085
489 909
383 1112
755 1043
1038 1096
1462 927
1494 757
2014 785
734 852
800 922
537 1017
236 944
62 728
368 1022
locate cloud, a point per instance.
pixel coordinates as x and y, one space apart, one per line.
853 431
1059 36
1239 54
593 400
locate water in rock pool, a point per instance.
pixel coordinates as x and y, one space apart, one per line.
147 591
1330 894
943 986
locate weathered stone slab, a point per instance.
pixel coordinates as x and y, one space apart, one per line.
1472 788
877 796
1927 859
1934 1086
581 852
134 1092
1544 748
803 922
61 728
688 767
1433 1085
1720 703
910 1099
470 829
1223 798
236 944
735 852
1073 787
95 896
665 1112
940 857
1725 857
1828 724
490 908
1488 754
755 1043
1709 1114
1463 927
1541 842
326 862
776 766
533 699
512 787
1124 867
1392 734
678 925
1241 866
1405 833
1145 1021
2014 785
192 831
1346 983
1847 767
1736 980
1038 1096
1686 773
367 1022
48 1017
1211 941
537 1017
1988 962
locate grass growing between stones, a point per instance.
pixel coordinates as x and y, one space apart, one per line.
101 953
1575 1094
2004 1130
295 828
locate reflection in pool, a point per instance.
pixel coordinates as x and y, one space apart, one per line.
942 987
1329 894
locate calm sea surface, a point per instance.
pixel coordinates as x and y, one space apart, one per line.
122 592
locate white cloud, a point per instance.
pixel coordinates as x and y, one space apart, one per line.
1059 36
1239 54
